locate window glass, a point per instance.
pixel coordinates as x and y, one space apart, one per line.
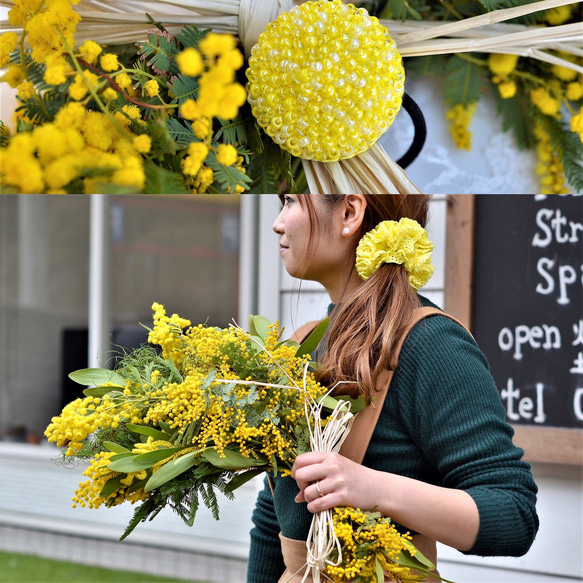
179 251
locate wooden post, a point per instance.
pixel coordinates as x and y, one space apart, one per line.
459 259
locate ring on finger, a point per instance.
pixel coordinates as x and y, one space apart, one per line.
317 484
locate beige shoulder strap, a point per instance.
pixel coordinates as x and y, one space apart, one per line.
355 446
304 331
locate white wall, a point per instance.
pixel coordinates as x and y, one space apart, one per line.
557 554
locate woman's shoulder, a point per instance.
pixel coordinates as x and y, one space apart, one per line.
433 323
441 340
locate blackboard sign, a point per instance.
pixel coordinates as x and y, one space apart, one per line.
528 304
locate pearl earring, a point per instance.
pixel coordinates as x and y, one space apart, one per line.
346 231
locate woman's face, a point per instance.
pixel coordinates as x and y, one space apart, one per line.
316 252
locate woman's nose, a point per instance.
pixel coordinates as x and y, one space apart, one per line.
278 225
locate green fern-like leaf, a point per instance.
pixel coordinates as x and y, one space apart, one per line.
184 87
226 177
270 165
264 180
403 9
513 114
162 139
464 82
569 148
163 181
430 65
233 132
43 107
4 135
141 514
190 36
158 51
181 131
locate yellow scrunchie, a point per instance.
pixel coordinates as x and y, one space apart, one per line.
405 243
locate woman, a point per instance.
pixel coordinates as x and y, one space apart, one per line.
440 462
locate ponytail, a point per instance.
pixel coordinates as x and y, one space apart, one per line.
367 325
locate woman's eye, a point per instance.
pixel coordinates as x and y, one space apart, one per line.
287 200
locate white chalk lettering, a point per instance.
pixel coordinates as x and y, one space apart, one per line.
537 240
510 393
544 336
550 333
566 275
505 339
554 225
578 362
578 404
540 408
541 266
518 407
578 333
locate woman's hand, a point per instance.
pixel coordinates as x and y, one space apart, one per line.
448 515
329 479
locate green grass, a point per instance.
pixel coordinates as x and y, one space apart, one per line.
18 568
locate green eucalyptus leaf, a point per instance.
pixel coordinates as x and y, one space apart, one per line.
115 447
379 571
261 326
120 456
231 460
97 377
242 478
354 405
149 432
101 391
142 461
170 470
312 341
110 487
137 485
123 465
418 562
166 427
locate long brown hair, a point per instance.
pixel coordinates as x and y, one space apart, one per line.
367 324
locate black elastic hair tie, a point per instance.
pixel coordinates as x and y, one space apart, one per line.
418 120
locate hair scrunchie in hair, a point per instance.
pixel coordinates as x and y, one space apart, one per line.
404 242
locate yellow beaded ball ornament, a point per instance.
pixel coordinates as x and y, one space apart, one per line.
325 80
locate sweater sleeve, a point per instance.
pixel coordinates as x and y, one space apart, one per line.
455 416
265 558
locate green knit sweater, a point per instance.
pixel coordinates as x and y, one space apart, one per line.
442 423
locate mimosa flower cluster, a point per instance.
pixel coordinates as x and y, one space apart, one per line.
201 410
371 546
93 119
210 407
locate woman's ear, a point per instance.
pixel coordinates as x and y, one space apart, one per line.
353 213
